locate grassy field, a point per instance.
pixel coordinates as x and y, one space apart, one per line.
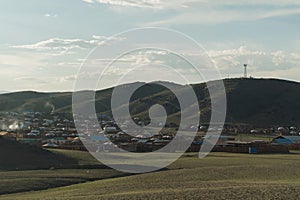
218 176
86 169
252 137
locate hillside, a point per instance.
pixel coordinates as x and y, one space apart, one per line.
218 176
263 101
250 101
17 156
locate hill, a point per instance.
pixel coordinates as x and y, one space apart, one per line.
263 101
218 176
249 101
17 156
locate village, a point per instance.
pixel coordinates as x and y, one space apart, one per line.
58 131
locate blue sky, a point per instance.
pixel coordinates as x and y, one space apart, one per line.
42 43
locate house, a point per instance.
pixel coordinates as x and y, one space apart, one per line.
8 135
216 140
31 141
50 145
96 138
289 140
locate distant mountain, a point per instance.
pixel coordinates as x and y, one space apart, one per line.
249 101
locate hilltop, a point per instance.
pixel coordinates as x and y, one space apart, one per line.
249 101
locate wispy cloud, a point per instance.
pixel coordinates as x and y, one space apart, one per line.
184 4
152 4
67 78
208 11
31 79
65 45
232 60
50 15
17 60
221 15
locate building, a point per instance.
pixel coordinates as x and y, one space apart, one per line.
287 140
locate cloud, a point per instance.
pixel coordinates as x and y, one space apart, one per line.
15 60
220 15
66 45
31 79
153 4
69 64
260 62
50 15
67 78
185 4
228 61
207 11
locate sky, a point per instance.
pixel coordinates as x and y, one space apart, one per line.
44 43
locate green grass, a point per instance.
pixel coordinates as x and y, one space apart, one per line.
85 169
252 137
82 157
21 181
17 156
218 176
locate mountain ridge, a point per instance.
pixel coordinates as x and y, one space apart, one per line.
249 101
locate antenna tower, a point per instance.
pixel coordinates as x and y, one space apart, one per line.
245 70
